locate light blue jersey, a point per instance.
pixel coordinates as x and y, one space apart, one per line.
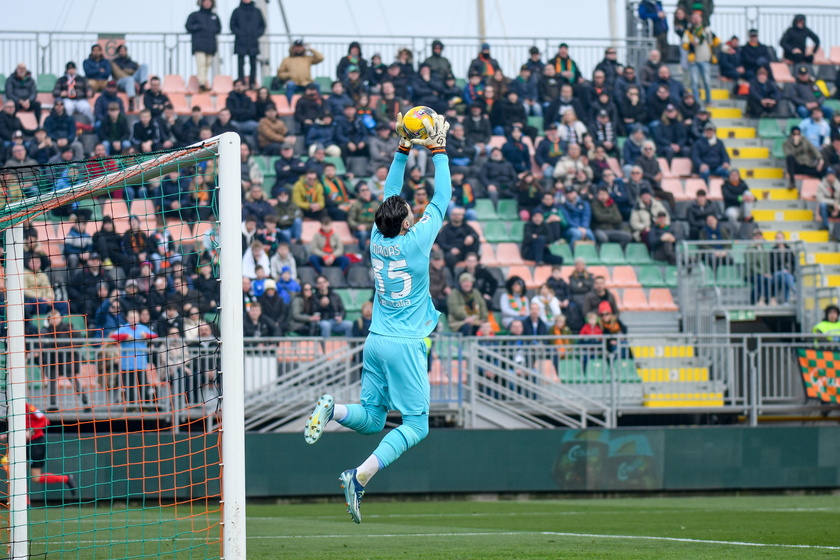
403 306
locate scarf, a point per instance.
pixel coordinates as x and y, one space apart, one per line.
467 194
310 193
327 240
71 86
565 64
549 316
488 66
469 303
610 327
517 304
335 190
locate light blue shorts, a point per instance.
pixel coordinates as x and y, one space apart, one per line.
394 374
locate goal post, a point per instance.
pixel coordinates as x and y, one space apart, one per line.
122 361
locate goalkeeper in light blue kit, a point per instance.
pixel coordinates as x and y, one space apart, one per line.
394 375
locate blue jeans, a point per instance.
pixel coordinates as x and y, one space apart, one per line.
786 282
805 112
34 306
330 326
293 88
469 213
126 144
362 237
762 287
701 71
247 127
140 77
293 232
318 263
574 234
825 210
720 172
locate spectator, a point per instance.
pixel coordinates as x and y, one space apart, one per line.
828 197
689 109
754 55
22 89
566 68
738 201
204 25
714 233
243 112
563 103
27 175
326 248
361 326
549 151
97 69
568 166
662 239
547 303
154 99
831 153
782 266
257 325
484 281
100 165
466 306
353 58
654 12
62 129
296 69
671 136
641 220
805 94
676 91
145 134
816 129
598 295
526 89
42 148
351 134
801 157
10 123
288 168
440 280
553 212
460 150
131 77
656 105
484 64
529 195
604 133
361 215
336 195
498 177
415 181
134 349
477 128
247 25
794 42
579 216
760 274
323 135
536 239
38 293
439 64
650 70
764 95
457 238
103 102
697 212
607 222
651 171
533 324
830 325
271 133
581 282
612 327
709 155
549 86
730 61
514 303
73 90
308 195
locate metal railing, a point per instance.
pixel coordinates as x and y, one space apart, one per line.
476 381
770 21
171 53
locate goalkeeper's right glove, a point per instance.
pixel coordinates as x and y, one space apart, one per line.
436 136
405 143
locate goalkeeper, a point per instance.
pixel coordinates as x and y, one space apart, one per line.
394 373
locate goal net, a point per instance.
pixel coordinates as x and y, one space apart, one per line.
120 328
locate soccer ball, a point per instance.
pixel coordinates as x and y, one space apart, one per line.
413 121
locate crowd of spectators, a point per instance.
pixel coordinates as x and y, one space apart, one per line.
564 160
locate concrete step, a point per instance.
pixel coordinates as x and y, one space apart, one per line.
786 216
724 133
747 143
748 173
741 153
726 113
794 234
730 103
760 183
769 204
757 163
733 123
772 194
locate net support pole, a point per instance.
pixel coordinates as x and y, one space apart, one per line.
232 365
16 396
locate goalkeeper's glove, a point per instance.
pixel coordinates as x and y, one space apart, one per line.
405 143
436 135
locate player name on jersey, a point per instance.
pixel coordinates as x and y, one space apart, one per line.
385 250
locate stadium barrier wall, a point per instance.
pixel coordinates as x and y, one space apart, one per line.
467 461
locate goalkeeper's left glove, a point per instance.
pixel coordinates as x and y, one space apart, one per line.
436 135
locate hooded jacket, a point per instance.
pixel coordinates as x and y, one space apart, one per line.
204 25
247 25
18 89
350 60
796 38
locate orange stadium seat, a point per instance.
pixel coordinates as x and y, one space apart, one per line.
221 101
308 231
199 229
675 187
222 84
692 186
192 84
681 167
662 300
809 189
524 272
477 227
179 103
781 73
507 254
599 270
834 57
497 141
174 83
180 233
666 169
715 188
343 231
633 299
615 166
542 274
203 100
488 255
624 277
282 104
820 58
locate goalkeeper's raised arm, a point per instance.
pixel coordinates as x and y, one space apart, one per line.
436 142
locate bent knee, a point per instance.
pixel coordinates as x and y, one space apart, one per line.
418 426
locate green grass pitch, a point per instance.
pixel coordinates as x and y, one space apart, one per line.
767 527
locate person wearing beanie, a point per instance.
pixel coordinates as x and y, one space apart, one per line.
794 42
439 64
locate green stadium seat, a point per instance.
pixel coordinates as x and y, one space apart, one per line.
620 143
346 296
561 250
709 276
508 210
485 210
496 232
627 372
266 82
637 253
266 165
790 123
769 128
536 122
596 371
361 296
339 165
650 276
460 83
730 277
778 149
587 252
569 371
833 104
46 83
517 232
325 84
612 254
671 276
